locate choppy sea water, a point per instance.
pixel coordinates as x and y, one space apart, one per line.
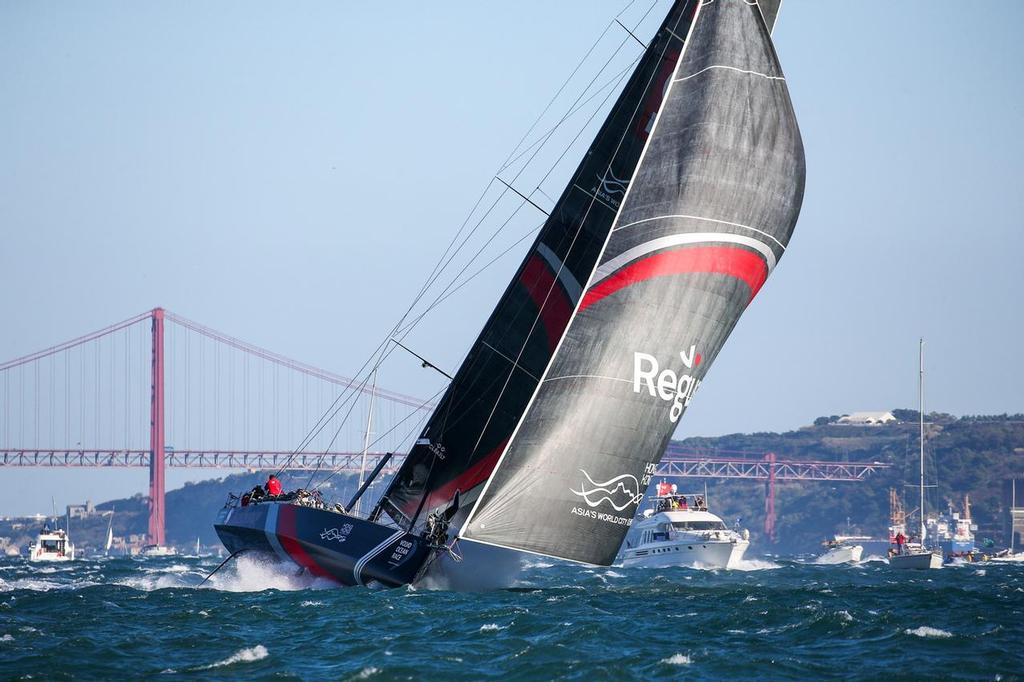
777 619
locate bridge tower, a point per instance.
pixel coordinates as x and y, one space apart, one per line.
156 434
769 498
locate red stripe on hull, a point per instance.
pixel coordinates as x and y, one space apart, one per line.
286 533
538 280
724 260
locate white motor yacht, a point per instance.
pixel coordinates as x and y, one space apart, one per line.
157 551
678 530
51 545
842 549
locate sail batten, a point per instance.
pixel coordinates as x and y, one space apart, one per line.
662 298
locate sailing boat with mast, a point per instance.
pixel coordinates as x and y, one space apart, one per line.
546 438
916 555
110 534
1010 554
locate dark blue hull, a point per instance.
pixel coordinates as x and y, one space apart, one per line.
348 550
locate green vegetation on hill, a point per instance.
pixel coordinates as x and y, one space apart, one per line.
976 455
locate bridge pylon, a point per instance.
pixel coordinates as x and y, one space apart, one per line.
156 534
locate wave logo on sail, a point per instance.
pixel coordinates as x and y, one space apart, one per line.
667 384
620 492
610 188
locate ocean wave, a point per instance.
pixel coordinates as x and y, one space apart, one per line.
256 653
926 631
677 659
753 565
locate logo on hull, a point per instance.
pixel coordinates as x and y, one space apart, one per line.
671 386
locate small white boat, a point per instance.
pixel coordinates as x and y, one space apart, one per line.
914 556
1010 555
842 550
51 545
158 551
684 534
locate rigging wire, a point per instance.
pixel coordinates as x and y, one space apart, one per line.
383 350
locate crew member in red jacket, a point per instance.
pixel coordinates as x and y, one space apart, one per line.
273 485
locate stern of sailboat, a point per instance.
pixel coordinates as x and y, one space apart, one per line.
328 544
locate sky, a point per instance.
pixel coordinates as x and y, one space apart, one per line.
289 174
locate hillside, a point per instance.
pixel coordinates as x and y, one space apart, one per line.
975 455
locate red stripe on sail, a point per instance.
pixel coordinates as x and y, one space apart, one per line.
286 534
723 260
538 280
467 480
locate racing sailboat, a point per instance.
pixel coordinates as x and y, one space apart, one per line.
546 437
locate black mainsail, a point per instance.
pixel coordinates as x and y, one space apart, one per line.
713 199
473 422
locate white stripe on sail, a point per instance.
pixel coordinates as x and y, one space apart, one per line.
710 220
611 267
572 287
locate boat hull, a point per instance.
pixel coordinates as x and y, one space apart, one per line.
51 558
691 553
342 548
916 561
842 555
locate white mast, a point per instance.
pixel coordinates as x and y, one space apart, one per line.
920 391
366 438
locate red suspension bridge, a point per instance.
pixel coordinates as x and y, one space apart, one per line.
158 390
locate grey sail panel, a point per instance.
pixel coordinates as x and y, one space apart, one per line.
770 12
472 424
707 215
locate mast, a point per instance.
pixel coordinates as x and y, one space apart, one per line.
366 438
920 397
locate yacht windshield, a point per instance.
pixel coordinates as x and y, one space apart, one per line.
699 525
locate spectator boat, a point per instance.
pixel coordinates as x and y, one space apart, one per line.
678 530
51 545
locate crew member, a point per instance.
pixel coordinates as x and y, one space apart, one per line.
273 485
901 540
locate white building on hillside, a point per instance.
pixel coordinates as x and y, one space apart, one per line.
868 418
